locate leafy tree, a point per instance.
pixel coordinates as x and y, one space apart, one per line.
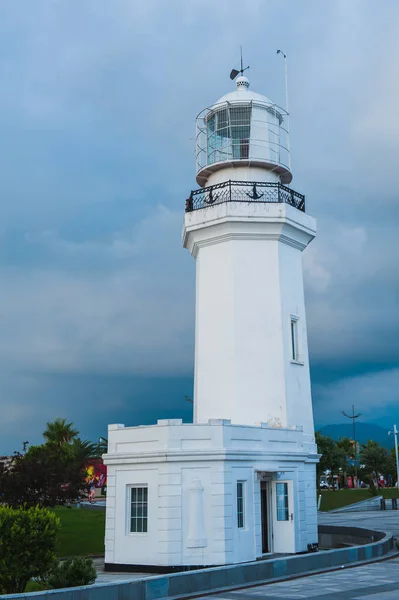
390 467
27 546
333 458
49 474
374 457
347 446
60 432
45 476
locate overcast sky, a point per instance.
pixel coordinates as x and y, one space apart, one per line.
97 119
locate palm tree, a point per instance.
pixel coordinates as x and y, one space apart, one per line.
83 450
102 446
60 432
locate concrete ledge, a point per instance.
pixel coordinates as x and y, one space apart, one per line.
331 536
217 579
368 504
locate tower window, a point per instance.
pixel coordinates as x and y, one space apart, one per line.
240 504
294 339
139 509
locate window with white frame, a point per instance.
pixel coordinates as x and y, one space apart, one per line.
282 501
138 509
240 504
294 339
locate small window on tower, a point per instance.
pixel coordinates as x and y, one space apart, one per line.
240 504
294 340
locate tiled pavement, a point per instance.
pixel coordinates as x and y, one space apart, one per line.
378 581
382 520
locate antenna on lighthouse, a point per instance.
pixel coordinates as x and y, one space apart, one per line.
234 72
287 110
286 79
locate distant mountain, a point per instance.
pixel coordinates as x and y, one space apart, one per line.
364 432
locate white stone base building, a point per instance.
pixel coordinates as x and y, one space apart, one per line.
209 494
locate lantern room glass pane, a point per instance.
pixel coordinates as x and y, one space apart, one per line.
228 133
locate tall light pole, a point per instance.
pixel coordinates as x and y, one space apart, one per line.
354 417
395 433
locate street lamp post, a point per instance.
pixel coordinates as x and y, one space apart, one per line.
354 417
395 433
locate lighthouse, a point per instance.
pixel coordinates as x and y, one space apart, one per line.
239 482
247 229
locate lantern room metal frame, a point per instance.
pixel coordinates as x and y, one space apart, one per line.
253 132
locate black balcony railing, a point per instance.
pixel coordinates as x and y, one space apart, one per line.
244 191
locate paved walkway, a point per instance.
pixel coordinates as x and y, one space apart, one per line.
380 520
376 581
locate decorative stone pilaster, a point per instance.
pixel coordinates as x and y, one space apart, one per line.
196 532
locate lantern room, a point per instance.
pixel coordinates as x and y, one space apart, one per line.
243 129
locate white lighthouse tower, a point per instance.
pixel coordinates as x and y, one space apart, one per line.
239 482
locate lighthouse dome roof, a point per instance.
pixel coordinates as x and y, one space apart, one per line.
243 94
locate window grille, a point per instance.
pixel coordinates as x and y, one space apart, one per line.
240 504
139 510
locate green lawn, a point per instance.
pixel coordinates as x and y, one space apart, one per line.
331 500
82 531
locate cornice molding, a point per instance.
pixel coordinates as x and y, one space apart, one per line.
235 455
195 246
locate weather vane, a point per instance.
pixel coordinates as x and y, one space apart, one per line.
234 72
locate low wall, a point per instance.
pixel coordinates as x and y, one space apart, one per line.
216 579
368 504
336 537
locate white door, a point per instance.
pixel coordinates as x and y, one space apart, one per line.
283 517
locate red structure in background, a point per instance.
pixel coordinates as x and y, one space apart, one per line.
96 473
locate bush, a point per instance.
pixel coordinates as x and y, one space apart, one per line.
27 546
373 491
72 572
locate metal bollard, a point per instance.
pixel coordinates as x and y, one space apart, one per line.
382 504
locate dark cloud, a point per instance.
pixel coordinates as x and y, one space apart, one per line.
91 400
97 150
